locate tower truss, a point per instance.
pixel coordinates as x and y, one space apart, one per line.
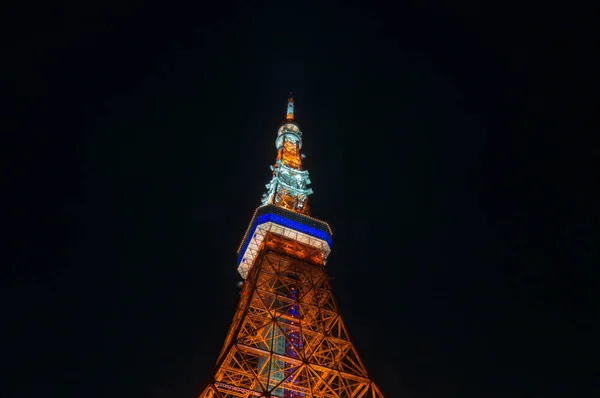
287 338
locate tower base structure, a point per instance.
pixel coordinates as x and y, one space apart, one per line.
287 338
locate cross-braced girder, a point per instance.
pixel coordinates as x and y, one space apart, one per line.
288 339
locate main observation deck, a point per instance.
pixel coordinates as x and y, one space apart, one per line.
277 220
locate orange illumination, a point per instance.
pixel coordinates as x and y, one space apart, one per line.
287 337
291 155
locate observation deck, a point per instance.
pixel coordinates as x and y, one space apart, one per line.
288 224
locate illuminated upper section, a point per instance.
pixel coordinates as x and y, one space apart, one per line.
288 187
283 220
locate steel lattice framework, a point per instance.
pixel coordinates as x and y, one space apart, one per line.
287 338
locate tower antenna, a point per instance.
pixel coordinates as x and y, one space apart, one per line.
290 108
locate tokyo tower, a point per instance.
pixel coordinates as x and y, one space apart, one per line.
287 338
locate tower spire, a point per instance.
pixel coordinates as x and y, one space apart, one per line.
290 108
289 185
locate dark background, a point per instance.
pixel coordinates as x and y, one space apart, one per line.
447 147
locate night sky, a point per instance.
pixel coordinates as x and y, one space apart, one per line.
447 148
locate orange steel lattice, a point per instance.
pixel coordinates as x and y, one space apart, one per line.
290 155
287 338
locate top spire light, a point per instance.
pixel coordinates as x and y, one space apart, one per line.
290 108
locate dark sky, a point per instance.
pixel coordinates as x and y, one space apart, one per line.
447 147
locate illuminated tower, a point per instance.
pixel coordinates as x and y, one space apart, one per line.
287 338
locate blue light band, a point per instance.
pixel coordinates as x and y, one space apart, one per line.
285 222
